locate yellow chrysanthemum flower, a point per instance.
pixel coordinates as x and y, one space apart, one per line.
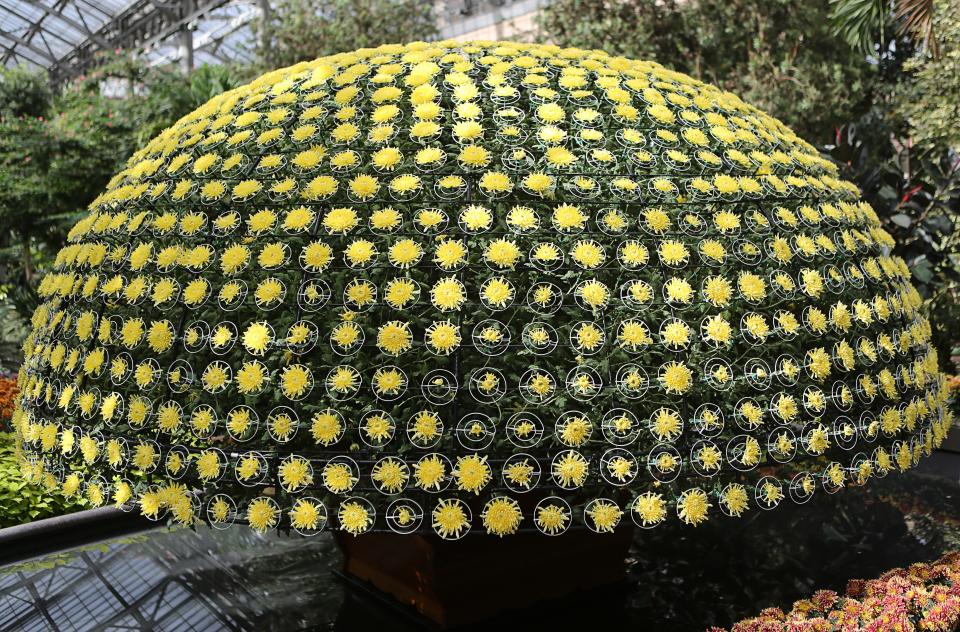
693 506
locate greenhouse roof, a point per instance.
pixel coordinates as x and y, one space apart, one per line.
64 36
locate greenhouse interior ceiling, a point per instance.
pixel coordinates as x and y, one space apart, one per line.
65 36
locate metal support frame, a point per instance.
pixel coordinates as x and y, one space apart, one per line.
165 30
47 590
24 43
51 26
185 44
56 11
212 40
140 27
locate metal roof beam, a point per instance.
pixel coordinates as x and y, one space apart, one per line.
17 14
142 25
43 38
210 41
56 11
30 47
201 8
24 59
94 6
32 30
33 27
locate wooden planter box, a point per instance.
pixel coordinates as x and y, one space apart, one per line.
472 579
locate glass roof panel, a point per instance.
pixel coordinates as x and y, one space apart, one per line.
59 35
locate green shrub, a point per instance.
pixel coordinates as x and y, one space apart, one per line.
20 502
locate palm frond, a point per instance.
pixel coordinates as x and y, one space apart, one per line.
858 22
916 20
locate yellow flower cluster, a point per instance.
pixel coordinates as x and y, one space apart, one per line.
394 281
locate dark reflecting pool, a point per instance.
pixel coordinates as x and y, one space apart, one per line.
680 578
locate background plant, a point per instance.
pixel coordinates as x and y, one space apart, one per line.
301 30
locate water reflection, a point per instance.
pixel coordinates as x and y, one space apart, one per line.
680 578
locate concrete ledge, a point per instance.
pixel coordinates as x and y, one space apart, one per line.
64 532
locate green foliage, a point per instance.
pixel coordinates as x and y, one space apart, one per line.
930 100
21 502
13 329
869 25
859 22
779 55
27 150
916 20
23 93
306 29
639 30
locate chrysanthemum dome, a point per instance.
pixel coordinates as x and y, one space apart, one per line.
484 285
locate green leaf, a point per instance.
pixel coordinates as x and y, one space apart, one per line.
901 220
922 270
858 22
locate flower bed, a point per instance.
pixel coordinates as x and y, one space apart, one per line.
8 400
924 596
